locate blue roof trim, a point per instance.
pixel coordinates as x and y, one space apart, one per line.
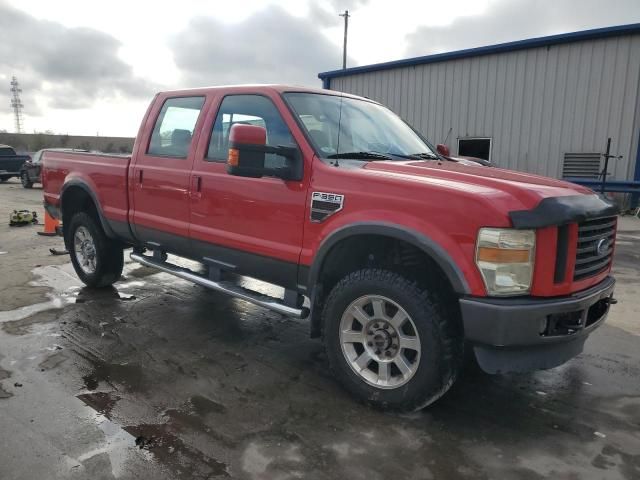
499 48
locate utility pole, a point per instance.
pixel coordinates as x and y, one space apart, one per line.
344 47
16 104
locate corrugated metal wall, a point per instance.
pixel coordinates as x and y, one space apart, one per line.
535 104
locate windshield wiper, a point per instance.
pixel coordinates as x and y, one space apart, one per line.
428 155
361 155
416 156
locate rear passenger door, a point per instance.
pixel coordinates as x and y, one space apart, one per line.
161 174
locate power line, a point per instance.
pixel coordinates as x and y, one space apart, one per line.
16 104
344 47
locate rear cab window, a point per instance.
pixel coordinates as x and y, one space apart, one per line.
173 130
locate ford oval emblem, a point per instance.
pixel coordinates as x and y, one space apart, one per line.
602 246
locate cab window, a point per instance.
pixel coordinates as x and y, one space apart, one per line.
249 110
174 127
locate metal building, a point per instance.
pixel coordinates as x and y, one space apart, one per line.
544 105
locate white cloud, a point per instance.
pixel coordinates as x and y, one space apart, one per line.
92 66
509 20
270 46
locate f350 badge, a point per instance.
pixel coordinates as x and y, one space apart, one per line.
324 204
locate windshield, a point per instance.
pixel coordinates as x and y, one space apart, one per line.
340 126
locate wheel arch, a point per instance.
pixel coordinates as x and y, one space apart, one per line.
75 196
431 249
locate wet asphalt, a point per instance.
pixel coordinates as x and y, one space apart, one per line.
157 378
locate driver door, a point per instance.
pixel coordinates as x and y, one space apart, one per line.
252 226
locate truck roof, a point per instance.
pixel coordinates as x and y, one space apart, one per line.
278 88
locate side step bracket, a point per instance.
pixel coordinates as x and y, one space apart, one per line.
272 303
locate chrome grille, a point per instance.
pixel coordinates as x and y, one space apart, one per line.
595 246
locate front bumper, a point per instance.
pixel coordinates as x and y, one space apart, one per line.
515 334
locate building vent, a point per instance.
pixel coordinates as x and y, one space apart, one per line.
582 165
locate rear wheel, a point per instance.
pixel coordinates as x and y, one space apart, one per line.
389 341
97 260
26 181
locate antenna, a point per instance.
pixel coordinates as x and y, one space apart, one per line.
447 137
16 104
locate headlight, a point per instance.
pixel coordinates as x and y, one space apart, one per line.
505 259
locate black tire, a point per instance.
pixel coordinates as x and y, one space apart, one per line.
109 255
25 180
4 179
441 342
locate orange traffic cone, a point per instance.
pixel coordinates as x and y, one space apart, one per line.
51 226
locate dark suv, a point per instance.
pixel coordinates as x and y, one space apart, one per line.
31 169
10 162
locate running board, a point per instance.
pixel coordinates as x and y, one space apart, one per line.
236 291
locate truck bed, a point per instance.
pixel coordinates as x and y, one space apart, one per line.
105 174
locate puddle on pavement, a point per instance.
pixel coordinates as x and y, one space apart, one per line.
191 417
203 405
66 288
101 402
155 442
184 460
52 361
130 376
198 407
119 446
25 325
158 442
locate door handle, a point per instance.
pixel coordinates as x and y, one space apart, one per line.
140 177
196 187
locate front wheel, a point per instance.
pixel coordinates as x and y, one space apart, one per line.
97 260
24 178
390 342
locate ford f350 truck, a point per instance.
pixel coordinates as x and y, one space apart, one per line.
403 260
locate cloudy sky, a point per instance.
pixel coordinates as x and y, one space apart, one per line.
88 66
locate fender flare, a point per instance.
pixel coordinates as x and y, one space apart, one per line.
419 240
83 185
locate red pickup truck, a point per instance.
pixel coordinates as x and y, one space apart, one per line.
403 260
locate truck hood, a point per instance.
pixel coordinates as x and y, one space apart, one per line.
527 188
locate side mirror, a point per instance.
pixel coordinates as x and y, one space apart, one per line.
247 150
443 149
